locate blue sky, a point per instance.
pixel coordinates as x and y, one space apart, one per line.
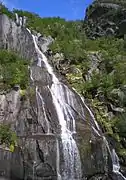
68 9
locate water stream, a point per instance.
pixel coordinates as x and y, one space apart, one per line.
114 156
116 165
71 164
40 103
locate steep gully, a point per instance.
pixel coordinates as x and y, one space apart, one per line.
72 163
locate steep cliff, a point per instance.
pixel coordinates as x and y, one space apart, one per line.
58 136
40 151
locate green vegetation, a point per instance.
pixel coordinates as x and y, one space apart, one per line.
68 35
7 137
106 87
13 70
5 10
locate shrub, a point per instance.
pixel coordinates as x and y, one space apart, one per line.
5 10
13 70
7 136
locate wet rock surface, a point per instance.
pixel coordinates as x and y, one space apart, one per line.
39 154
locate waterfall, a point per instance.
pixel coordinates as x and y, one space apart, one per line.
114 156
94 123
40 103
116 165
31 75
71 165
58 160
115 160
63 100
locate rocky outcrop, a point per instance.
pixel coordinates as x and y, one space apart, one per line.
44 42
105 18
16 38
33 116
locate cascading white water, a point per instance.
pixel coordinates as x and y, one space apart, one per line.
31 75
114 156
94 124
115 160
116 165
70 150
72 165
58 160
40 103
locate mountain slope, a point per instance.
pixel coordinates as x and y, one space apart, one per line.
94 69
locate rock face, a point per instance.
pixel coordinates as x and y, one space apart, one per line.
58 137
105 18
16 38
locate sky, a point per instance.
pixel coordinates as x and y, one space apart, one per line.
68 9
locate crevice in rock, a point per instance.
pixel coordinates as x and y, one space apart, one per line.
40 153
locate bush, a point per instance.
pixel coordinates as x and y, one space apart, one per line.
7 136
5 10
121 125
67 34
13 69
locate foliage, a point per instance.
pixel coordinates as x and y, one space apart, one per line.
13 69
107 86
5 10
7 136
67 34
22 92
121 125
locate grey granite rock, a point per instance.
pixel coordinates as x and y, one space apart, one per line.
35 120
